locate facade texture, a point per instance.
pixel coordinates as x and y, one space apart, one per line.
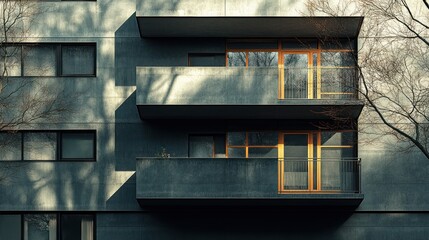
202 120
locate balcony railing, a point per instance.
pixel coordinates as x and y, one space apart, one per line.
320 175
320 83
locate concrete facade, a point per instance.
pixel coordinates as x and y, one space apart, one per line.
394 184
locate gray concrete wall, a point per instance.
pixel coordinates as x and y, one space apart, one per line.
220 8
206 178
391 180
253 225
207 85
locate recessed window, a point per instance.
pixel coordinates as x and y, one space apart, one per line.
11 61
39 60
10 227
10 146
49 59
207 146
41 226
206 59
77 227
40 145
252 144
77 60
48 145
77 145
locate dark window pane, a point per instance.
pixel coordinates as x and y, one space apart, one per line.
40 227
263 138
296 146
10 227
10 57
78 60
77 227
39 60
299 44
40 145
237 152
201 146
337 59
236 139
220 145
263 152
263 59
10 146
341 43
203 60
77 145
262 44
237 59
338 138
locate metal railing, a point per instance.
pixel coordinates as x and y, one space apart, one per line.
321 83
320 174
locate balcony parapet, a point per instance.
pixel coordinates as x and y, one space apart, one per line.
229 181
241 93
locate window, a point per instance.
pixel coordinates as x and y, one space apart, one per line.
77 60
252 144
48 145
207 146
309 68
10 227
49 59
40 145
206 59
77 145
318 161
39 226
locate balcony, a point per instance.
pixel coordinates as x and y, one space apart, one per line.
248 182
236 19
247 93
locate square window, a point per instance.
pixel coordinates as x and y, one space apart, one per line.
40 145
77 227
39 60
10 227
11 58
78 60
10 146
40 227
77 145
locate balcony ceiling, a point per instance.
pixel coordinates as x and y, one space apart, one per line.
247 27
307 110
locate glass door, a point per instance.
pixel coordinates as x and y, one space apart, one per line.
297 75
296 160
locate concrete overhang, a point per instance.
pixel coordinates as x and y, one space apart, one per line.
249 27
308 110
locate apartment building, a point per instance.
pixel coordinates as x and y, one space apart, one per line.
202 120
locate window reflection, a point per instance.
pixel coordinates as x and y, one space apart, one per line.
263 59
237 59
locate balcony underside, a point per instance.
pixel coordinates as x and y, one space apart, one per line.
310 109
313 201
245 27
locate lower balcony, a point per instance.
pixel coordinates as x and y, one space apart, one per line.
331 183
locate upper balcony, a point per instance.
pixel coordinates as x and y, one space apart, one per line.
247 93
296 182
236 19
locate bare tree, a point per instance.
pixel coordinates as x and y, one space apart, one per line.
23 100
393 63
